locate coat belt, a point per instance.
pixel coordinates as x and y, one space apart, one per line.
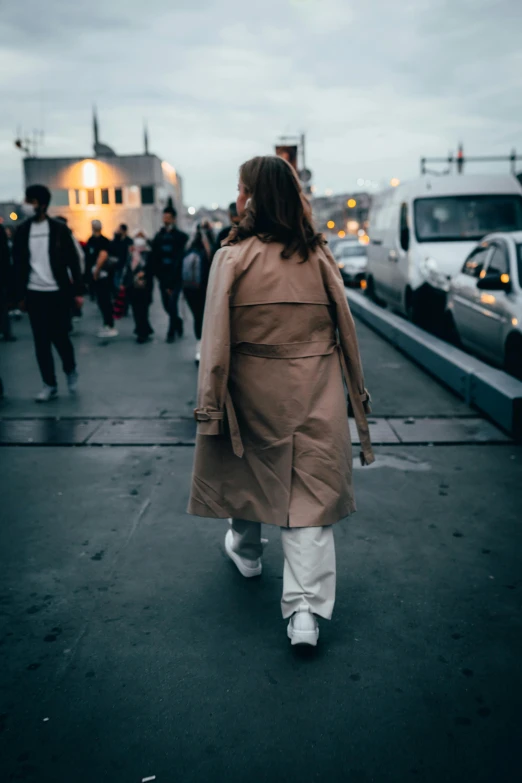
286 350
360 400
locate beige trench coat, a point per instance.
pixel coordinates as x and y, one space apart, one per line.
273 441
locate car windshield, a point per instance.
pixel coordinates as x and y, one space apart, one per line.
461 218
347 251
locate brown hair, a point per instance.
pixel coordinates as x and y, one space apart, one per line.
278 210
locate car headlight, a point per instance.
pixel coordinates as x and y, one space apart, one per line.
431 271
428 266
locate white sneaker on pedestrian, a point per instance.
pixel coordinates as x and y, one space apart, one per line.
107 331
47 394
303 628
197 358
246 568
72 382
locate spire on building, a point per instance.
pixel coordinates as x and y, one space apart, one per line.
95 128
146 139
100 149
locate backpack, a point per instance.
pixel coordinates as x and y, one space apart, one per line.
192 270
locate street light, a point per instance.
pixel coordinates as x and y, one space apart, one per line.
341 234
394 182
191 210
330 224
351 203
13 216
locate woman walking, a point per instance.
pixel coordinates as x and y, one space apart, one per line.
273 442
196 270
138 279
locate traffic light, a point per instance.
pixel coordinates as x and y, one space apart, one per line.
460 160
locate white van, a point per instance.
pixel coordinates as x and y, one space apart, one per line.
421 233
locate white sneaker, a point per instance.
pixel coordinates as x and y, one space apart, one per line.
107 331
47 394
197 357
246 568
72 382
303 628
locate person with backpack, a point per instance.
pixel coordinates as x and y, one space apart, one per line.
195 274
168 247
139 282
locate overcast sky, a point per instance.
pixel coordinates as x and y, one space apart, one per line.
375 84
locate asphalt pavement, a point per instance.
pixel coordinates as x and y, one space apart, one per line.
131 648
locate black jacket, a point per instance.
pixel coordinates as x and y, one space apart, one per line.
5 264
63 257
166 258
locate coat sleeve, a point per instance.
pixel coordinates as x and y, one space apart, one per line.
20 260
215 347
350 357
72 261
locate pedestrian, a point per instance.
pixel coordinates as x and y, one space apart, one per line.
98 249
140 287
273 442
121 247
196 269
47 271
225 231
168 247
6 280
76 312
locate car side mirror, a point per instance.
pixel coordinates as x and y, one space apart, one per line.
405 238
494 282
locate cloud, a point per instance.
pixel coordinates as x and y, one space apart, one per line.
375 85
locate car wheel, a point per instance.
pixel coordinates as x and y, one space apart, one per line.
451 333
370 292
513 355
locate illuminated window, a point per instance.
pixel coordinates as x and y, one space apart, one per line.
90 197
74 198
60 198
147 194
133 196
118 196
104 195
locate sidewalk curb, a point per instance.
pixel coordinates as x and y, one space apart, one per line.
491 391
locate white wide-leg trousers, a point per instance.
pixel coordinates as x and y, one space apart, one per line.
309 571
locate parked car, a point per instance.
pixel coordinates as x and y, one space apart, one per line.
484 311
421 232
351 257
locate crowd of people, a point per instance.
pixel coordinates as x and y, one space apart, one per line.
47 273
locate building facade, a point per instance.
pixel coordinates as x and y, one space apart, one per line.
131 189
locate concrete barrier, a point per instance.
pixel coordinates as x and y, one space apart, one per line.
491 391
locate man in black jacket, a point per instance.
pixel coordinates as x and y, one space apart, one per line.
5 275
45 263
168 248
